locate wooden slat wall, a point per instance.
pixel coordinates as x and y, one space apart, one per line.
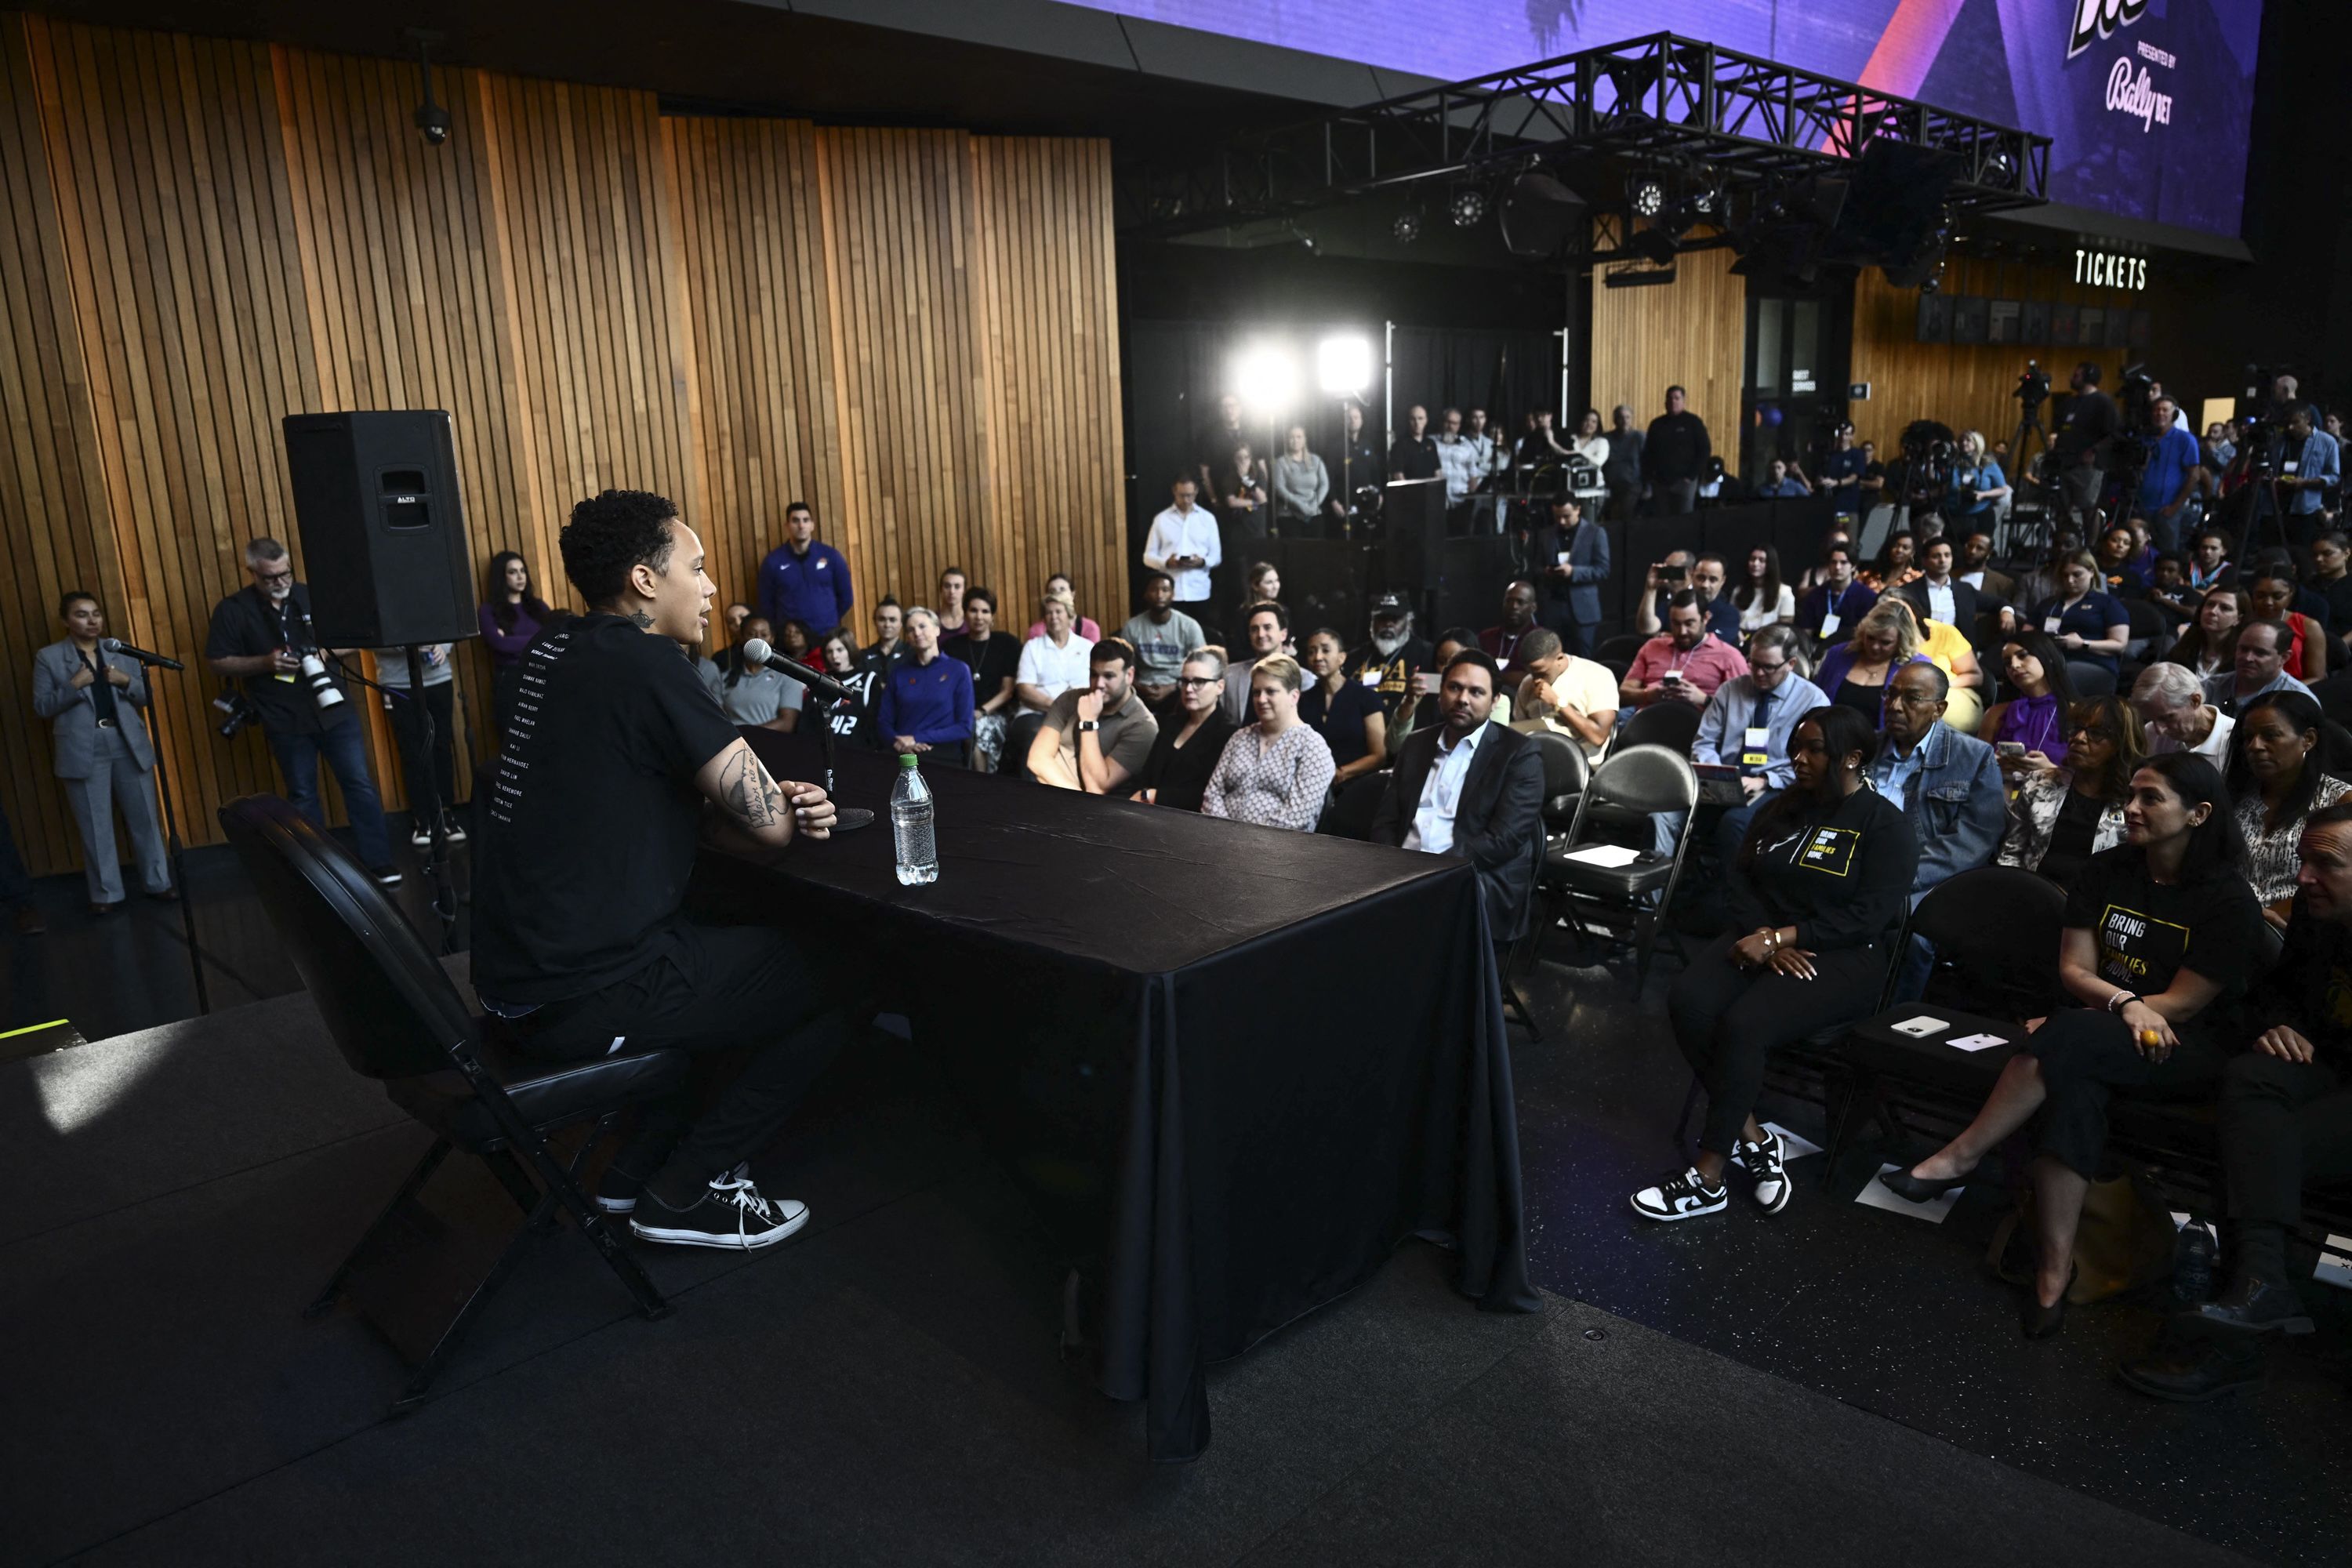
1690 333
1965 385
915 330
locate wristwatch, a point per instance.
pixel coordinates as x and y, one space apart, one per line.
1088 726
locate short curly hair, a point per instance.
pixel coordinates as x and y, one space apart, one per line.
610 533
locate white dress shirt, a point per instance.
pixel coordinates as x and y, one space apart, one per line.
1441 795
1940 601
1175 533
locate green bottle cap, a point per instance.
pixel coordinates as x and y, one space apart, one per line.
906 759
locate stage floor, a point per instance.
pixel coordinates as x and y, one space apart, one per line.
885 1388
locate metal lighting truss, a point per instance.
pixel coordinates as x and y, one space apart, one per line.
1743 123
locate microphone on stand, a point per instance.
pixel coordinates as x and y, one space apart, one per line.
757 651
116 645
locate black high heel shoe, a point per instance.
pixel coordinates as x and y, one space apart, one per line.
2039 1321
1916 1189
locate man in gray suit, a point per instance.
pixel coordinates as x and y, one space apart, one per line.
91 698
1572 563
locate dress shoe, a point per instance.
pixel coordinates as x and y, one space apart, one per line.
100 911
2039 1321
2191 1374
165 895
2255 1306
1913 1189
29 922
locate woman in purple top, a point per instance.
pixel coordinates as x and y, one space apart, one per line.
2034 666
510 620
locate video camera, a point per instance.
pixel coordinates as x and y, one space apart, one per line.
2033 386
1929 449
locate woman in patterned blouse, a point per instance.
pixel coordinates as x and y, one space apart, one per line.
2278 778
1277 771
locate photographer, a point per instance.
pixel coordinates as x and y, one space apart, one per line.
260 637
2086 432
2306 467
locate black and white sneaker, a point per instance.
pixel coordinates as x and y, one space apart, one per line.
617 1191
1767 1163
385 876
730 1213
420 836
451 828
1685 1196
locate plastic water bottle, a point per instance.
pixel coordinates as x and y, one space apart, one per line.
910 825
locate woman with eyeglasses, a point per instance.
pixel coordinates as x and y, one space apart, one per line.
2063 815
2278 777
2159 936
1185 753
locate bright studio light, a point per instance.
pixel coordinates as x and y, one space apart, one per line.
1343 364
1266 379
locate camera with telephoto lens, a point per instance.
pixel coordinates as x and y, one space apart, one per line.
237 712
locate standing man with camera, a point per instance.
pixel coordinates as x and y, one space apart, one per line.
2085 433
261 637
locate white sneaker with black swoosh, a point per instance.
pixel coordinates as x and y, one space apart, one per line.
1685 1196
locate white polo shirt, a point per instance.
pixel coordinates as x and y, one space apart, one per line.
1055 669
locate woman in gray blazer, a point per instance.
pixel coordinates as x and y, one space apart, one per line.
93 700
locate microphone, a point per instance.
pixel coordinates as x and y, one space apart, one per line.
757 651
116 645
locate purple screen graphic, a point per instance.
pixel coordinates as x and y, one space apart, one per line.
2147 102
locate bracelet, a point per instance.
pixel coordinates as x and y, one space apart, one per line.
2117 1003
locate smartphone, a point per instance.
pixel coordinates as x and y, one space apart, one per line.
1672 574
1671 676
2009 748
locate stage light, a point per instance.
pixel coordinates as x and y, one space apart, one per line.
1708 199
1343 364
1407 227
1646 194
1266 378
2000 170
1469 204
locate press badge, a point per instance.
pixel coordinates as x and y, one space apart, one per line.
1829 624
1832 849
1756 741
1369 678
2051 623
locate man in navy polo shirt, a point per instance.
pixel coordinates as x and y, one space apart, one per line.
804 579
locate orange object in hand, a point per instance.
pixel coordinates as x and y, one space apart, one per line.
2150 1038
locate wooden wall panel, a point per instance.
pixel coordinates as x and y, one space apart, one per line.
1965 385
1690 333
914 330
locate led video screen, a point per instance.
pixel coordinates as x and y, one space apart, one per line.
2145 101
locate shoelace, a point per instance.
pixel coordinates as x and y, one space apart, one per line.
736 1187
1759 1160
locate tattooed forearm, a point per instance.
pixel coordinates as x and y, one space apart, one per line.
750 795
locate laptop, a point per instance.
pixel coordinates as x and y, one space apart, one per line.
1719 785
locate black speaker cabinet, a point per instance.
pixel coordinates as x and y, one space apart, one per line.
384 530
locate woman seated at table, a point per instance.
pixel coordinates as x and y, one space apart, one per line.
1819 889
1858 673
1275 772
1191 740
2159 936
2210 646
2033 667
2271 592
2090 624
2278 777
1944 647
1346 713
2061 816
1897 563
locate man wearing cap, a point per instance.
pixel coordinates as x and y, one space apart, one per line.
1390 660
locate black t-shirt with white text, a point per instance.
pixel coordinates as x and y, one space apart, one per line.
2146 932
591 830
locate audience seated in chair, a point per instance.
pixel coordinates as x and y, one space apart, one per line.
1162 635
2285 1123
1748 725
1191 739
1947 649
1346 713
1684 663
1265 625
995 660
1095 738
1818 892
1832 605
926 707
2271 592
2027 732
1277 771
2161 932
1451 641
2258 666
1052 661
1501 641
1471 788
2061 816
2277 778
2175 717
1575 693
1944 781
2090 624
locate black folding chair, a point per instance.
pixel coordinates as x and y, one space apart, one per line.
1645 781
396 1017
1619 650
1565 775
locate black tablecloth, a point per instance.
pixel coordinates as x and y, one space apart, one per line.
1234 1066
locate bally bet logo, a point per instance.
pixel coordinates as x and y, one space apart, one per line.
2097 19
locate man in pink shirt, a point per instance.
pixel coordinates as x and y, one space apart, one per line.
1686 662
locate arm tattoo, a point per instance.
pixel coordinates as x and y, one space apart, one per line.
750 795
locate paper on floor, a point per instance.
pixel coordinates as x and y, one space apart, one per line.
1874 1193
1793 1147
2333 1269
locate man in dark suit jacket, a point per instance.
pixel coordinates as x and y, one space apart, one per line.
1926 593
1570 561
1467 787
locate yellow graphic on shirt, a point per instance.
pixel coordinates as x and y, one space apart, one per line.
2132 946
1830 850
